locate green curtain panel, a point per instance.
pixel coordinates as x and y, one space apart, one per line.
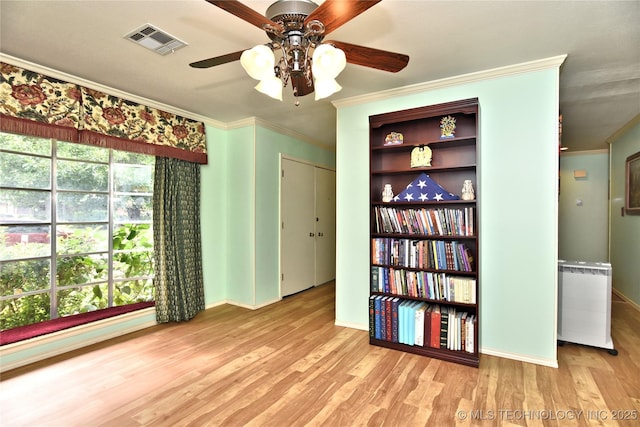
176 233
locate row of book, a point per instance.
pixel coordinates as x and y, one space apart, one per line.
435 221
434 254
423 284
418 323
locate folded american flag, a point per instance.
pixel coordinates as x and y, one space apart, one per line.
424 189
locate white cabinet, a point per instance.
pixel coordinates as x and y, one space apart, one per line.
584 303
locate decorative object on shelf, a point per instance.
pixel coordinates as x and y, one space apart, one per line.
394 138
421 157
447 127
387 193
467 190
424 189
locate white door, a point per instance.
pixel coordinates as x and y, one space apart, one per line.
325 225
298 227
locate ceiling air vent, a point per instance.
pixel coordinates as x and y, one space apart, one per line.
155 39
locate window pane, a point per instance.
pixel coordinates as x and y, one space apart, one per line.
25 206
24 241
80 183
85 238
132 264
133 208
24 276
78 270
132 236
70 150
133 179
24 311
133 251
82 300
25 144
133 291
133 158
79 207
24 171
81 176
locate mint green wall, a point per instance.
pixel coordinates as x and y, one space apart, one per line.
269 146
240 210
213 212
625 230
518 211
583 229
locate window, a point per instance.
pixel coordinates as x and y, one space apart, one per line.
75 229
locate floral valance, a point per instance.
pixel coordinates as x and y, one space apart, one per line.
38 105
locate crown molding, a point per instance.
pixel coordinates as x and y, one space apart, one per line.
509 70
254 121
584 152
624 129
107 89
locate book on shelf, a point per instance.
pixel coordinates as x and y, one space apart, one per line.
417 253
427 221
372 316
395 306
427 284
417 323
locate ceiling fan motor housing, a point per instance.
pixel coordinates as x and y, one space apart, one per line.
291 15
290 10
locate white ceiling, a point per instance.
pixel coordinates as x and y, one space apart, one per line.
599 81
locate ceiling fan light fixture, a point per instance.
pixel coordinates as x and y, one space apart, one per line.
258 62
325 87
296 29
271 86
328 61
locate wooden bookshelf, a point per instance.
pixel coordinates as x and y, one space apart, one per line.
424 251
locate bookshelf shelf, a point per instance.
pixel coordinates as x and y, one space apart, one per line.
425 286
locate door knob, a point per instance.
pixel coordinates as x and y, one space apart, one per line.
320 234
311 234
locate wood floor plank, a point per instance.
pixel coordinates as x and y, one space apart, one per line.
288 364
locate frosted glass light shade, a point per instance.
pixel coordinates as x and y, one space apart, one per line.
271 86
328 62
258 62
325 87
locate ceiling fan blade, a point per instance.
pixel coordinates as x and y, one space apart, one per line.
372 58
218 60
334 13
243 12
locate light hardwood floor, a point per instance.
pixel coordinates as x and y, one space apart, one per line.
289 365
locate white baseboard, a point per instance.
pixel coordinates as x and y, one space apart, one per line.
503 354
520 357
249 306
352 325
626 299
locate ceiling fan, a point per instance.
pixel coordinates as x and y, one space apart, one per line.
297 29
